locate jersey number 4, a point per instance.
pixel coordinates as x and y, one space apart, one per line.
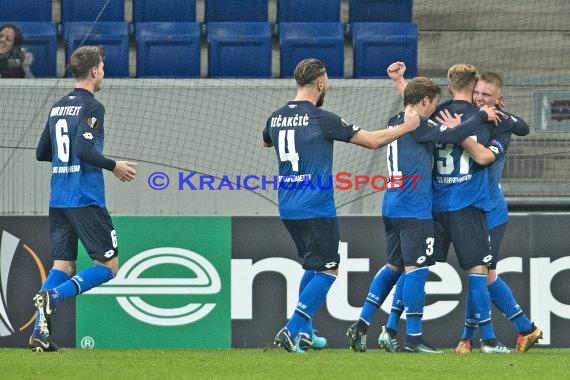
62 140
287 140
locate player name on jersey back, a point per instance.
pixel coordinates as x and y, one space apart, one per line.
65 111
290 121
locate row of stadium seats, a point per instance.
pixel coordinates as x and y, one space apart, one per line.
235 49
215 10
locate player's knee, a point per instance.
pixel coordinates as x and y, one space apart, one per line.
112 264
65 266
479 269
492 276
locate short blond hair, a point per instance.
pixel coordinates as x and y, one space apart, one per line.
494 79
462 75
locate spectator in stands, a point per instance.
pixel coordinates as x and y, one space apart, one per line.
14 61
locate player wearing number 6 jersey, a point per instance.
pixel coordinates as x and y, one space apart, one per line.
303 135
73 141
407 216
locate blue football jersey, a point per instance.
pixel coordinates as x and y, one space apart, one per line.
75 183
498 213
303 136
458 181
409 192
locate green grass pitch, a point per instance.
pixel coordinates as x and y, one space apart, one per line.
331 364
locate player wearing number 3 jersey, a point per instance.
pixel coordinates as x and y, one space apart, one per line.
303 135
73 141
407 216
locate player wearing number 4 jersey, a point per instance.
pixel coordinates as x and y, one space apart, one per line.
73 141
406 212
303 135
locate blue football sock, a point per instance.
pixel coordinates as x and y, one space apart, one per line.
380 287
414 299
54 278
481 304
502 297
312 298
307 277
470 321
83 281
397 306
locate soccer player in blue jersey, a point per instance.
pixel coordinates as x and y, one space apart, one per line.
407 214
73 141
482 156
489 91
303 135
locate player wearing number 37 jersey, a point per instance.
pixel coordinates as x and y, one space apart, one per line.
407 216
73 141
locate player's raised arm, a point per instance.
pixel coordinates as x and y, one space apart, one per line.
380 138
396 72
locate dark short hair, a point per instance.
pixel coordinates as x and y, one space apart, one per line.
308 70
418 88
84 59
18 36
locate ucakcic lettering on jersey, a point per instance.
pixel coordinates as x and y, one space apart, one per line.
290 121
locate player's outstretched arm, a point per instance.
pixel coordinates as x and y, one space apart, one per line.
396 72
125 171
380 138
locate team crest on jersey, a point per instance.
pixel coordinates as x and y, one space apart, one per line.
92 122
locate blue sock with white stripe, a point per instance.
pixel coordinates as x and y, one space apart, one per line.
311 299
481 304
380 287
54 278
414 299
397 306
502 297
470 321
307 328
80 283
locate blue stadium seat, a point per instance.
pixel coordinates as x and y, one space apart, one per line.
164 10
88 10
40 38
308 11
379 11
234 10
168 49
239 49
113 35
20 10
377 44
324 41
